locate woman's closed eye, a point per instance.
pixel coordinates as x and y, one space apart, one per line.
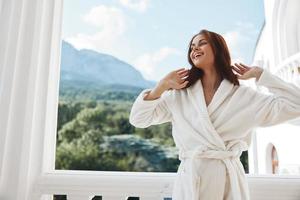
199 45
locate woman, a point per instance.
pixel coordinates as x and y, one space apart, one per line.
213 116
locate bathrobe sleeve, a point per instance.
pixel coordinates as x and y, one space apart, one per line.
281 105
145 113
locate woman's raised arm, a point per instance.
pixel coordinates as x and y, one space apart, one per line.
282 105
151 106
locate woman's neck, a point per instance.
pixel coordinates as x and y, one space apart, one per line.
211 79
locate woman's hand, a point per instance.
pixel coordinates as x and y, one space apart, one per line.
245 72
175 79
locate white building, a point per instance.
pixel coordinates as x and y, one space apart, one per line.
29 75
276 149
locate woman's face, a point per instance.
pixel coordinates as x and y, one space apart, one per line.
201 52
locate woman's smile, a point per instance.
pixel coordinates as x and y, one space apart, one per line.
197 55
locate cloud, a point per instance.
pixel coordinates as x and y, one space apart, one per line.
111 24
148 63
107 18
137 5
239 40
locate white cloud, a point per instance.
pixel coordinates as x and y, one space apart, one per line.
106 18
137 5
234 40
112 24
239 40
149 63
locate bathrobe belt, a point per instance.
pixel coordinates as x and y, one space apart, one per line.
229 155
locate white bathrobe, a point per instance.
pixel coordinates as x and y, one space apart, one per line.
211 138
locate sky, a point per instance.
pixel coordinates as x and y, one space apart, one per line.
153 35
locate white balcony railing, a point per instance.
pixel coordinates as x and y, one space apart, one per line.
84 185
289 69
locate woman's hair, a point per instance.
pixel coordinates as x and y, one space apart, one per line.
222 59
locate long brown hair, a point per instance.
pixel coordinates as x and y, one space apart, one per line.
222 59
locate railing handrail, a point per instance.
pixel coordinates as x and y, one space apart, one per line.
149 183
287 62
105 183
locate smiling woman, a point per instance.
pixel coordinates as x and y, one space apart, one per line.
206 49
208 117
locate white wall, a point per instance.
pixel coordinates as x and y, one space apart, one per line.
285 138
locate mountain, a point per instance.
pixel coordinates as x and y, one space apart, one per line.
90 68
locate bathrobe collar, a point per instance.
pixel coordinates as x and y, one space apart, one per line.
196 94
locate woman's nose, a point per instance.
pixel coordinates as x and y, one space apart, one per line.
196 48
